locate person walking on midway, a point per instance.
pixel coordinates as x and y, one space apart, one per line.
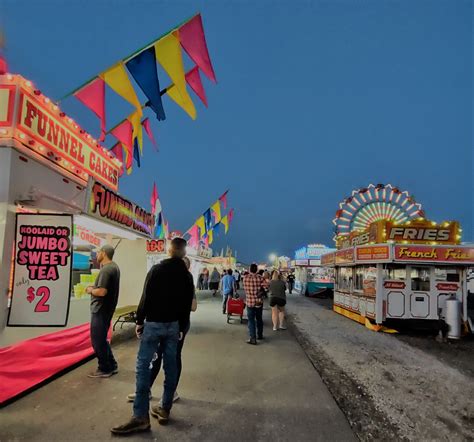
104 296
228 289
253 295
165 305
214 281
237 279
205 279
291 282
277 291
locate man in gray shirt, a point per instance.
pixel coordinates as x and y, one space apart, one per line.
104 297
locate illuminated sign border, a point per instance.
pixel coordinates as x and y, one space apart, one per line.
80 170
433 249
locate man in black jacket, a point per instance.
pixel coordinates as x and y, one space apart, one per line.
166 306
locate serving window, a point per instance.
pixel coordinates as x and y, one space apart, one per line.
344 279
395 272
447 274
420 279
365 278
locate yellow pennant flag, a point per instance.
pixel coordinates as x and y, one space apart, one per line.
225 221
210 234
168 54
202 226
216 207
135 118
186 104
116 77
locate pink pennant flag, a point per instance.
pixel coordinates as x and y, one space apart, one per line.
206 241
93 96
193 41
117 150
3 65
154 197
230 215
147 127
223 199
194 233
194 80
123 132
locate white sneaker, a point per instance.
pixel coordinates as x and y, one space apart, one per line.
275 329
282 327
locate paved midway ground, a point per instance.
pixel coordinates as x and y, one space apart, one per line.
230 391
389 388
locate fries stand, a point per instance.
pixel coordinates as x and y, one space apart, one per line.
396 272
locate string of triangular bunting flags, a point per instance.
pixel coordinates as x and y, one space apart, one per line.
142 66
210 223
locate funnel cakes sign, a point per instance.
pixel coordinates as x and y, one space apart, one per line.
41 129
111 207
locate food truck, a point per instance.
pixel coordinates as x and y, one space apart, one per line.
59 202
394 272
310 276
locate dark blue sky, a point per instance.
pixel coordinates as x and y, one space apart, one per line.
314 98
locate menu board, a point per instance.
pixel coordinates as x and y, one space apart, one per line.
42 272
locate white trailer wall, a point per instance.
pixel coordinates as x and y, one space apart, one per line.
53 193
130 256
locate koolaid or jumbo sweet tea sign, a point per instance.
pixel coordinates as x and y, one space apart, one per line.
42 275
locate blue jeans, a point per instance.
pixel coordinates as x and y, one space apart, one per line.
156 364
255 321
165 335
100 324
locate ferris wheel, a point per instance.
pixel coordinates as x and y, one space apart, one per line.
375 203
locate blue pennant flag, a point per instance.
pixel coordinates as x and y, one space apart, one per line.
208 219
136 152
143 70
159 227
217 228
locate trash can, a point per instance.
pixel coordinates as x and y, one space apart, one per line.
453 318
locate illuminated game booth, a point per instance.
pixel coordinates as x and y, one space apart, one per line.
394 266
59 203
310 275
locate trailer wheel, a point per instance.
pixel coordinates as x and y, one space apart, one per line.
241 319
228 319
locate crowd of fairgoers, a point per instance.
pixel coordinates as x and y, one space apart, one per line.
163 320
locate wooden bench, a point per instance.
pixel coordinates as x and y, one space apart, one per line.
127 313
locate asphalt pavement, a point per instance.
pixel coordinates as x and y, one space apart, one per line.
229 391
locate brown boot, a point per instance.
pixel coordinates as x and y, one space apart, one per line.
134 425
161 414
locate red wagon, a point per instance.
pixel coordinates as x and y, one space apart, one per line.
235 307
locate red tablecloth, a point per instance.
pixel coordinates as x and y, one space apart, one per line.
27 363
